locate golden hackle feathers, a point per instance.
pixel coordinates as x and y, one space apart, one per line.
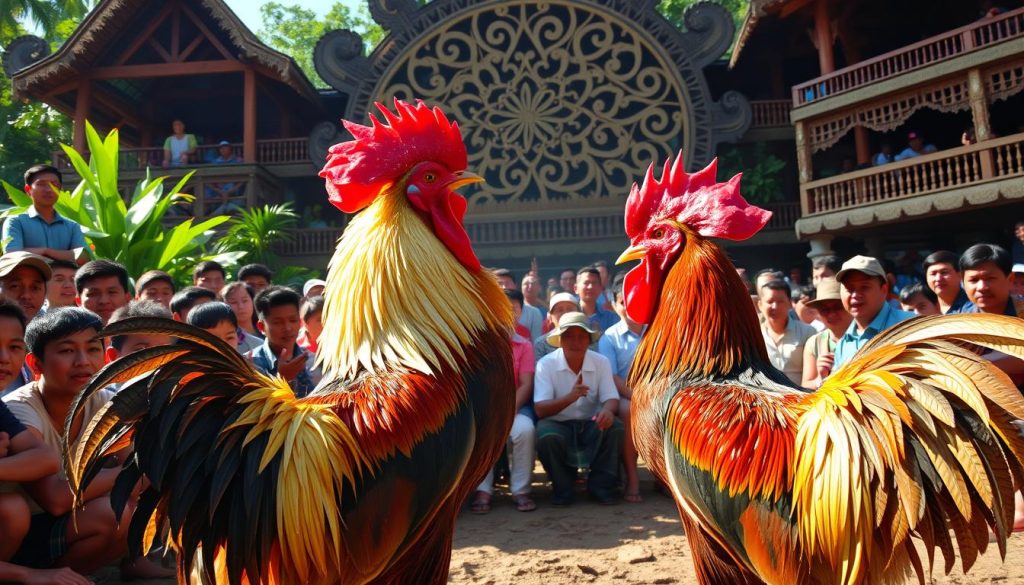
914 435
388 266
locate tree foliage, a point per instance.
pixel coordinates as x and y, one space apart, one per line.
30 132
673 9
295 30
762 171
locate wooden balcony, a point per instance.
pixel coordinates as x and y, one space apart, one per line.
771 113
495 232
935 50
278 151
993 160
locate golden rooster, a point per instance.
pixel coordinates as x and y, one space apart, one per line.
776 485
361 481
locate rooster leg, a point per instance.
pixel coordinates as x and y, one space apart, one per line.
713 564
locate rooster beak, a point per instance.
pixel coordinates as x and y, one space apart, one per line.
465 178
637 252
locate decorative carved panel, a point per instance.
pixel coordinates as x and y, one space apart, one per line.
559 101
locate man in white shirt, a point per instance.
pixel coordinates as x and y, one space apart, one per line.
576 400
784 337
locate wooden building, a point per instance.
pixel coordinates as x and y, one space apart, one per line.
861 76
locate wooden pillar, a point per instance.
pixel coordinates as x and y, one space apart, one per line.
979 105
979 115
863 145
249 118
823 33
82 105
803 161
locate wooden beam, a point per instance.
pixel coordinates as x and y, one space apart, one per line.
191 47
823 34
162 51
175 35
249 118
206 31
81 113
167 70
145 35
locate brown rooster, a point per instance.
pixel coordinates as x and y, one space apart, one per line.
776 485
361 481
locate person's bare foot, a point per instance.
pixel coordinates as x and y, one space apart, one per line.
142 568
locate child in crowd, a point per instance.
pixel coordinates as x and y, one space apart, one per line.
210 275
257 276
279 320
238 296
60 290
65 353
155 285
187 299
217 319
13 372
122 345
919 299
102 287
312 325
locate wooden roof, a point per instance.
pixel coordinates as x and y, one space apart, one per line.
757 10
109 22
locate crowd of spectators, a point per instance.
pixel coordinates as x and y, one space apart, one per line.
572 353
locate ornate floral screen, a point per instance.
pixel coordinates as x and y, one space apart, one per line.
559 101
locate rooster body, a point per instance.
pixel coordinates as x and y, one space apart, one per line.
361 481
780 486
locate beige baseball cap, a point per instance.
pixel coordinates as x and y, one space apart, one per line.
568 320
12 260
864 264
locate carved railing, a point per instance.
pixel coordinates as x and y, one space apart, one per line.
982 33
771 113
268 152
949 169
784 215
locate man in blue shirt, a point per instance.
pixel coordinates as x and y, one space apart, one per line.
863 289
915 147
589 289
943 277
988 280
41 230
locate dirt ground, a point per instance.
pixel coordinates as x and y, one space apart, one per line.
614 545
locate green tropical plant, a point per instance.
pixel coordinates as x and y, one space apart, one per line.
133 234
762 172
257 232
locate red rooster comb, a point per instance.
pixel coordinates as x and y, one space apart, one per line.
714 210
357 170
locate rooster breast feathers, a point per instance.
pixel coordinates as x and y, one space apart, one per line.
915 435
271 488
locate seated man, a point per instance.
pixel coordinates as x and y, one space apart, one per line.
23 278
561 303
521 438
41 230
64 353
576 401
279 320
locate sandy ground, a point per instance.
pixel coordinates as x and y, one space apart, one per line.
618 545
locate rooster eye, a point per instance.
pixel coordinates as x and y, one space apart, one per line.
659 233
429 177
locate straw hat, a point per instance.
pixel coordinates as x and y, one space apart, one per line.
828 290
572 320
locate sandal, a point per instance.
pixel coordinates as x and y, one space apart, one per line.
524 503
481 503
